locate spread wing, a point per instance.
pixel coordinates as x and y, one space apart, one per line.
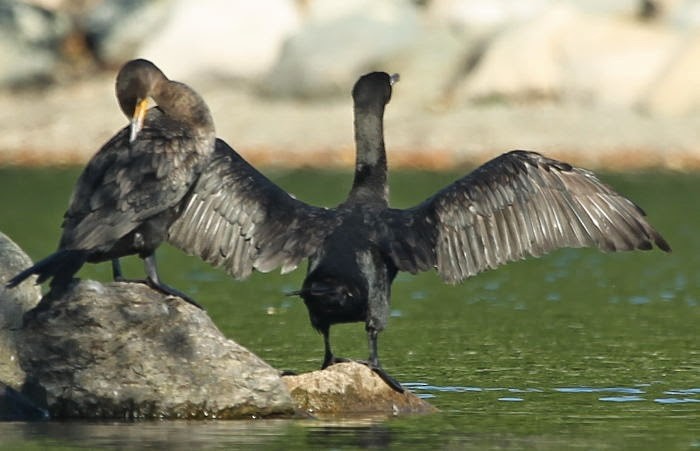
517 205
126 183
238 219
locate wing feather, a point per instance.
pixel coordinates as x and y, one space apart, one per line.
238 219
517 205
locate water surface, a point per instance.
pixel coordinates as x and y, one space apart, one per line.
578 349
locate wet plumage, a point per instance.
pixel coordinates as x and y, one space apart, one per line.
517 205
133 188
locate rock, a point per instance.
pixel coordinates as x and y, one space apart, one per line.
676 90
122 350
569 54
480 16
681 14
351 388
116 29
16 301
13 304
222 39
317 61
30 38
430 67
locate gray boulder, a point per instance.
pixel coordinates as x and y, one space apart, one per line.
13 304
117 29
122 350
339 41
30 40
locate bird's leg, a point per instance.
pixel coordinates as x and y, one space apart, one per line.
373 362
117 275
328 357
153 281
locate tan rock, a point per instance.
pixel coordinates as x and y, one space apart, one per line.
566 53
350 388
676 91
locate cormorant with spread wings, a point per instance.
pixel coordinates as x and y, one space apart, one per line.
517 205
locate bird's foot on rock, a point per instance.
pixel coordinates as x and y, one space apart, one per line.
390 381
166 289
163 288
378 370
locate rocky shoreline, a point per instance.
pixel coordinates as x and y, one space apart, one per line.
66 125
598 84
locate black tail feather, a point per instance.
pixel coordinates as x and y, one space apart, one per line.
61 266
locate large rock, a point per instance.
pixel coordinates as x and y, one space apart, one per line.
13 304
318 60
16 301
30 39
351 388
116 30
675 91
122 350
566 53
220 38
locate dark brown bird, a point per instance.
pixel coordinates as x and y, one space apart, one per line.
517 205
133 187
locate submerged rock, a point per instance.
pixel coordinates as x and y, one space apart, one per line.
123 350
351 388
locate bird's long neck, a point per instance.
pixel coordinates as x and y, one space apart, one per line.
370 165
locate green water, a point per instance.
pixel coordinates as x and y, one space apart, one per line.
578 349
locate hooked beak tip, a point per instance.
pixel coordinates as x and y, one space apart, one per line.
135 129
393 79
138 118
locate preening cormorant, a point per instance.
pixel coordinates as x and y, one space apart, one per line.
517 205
134 186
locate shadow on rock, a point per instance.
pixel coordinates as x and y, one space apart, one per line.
122 350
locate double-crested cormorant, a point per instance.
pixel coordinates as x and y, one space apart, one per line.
517 205
133 187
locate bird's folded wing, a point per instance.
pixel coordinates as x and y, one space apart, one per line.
127 183
238 219
517 205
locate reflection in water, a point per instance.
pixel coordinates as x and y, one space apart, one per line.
173 435
348 433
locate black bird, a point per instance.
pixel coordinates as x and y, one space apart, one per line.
133 187
517 205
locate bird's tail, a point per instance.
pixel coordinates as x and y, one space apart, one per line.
61 266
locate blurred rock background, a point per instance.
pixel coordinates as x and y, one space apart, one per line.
602 83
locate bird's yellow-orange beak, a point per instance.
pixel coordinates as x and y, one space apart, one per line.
138 118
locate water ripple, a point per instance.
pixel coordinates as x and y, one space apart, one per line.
687 391
676 400
623 390
621 398
617 394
